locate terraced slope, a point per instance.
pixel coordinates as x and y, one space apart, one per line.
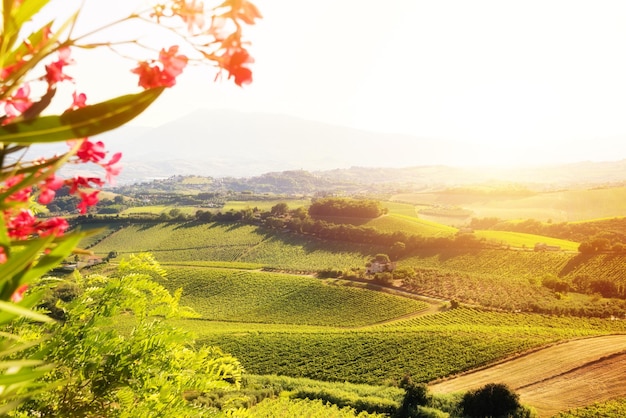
557 378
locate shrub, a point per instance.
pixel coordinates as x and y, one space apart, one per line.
492 400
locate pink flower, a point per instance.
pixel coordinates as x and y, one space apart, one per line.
151 74
54 71
79 100
91 151
234 62
21 195
18 103
78 182
52 226
191 12
48 189
87 199
3 255
173 64
18 294
20 226
113 167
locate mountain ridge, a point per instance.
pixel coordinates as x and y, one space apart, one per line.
221 143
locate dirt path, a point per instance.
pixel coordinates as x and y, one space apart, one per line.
557 378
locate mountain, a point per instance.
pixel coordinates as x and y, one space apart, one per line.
239 144
230 143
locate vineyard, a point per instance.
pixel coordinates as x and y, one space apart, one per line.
176 242
611 267
247 296
616 408
303 327
426 347
98 232
512 280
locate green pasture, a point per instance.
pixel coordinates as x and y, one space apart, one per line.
411 225
159 209
398 208
264 205
557 206
394 222
523 240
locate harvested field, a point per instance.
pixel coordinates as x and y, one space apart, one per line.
557 378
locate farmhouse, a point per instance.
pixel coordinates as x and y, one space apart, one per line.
378 267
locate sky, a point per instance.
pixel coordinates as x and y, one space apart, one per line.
544 73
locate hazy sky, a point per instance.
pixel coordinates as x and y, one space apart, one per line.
546 73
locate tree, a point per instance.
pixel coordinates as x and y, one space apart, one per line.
397 250
382 258
491 400
416 393
280 209
147 371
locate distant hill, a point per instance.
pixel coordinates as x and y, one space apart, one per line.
242 145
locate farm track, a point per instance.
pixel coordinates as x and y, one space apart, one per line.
560 377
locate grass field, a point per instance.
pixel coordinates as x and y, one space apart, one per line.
411 225
398 208
159 209
522 240
264 205
558 206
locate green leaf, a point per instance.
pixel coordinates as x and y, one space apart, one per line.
80 123
18 310
21 377
20 363
4 236
20 261
28 9
54 257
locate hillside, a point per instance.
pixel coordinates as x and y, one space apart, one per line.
273 322
182 242
576 204
563 376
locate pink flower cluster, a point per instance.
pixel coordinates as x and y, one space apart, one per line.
161 72
216 37
20 222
